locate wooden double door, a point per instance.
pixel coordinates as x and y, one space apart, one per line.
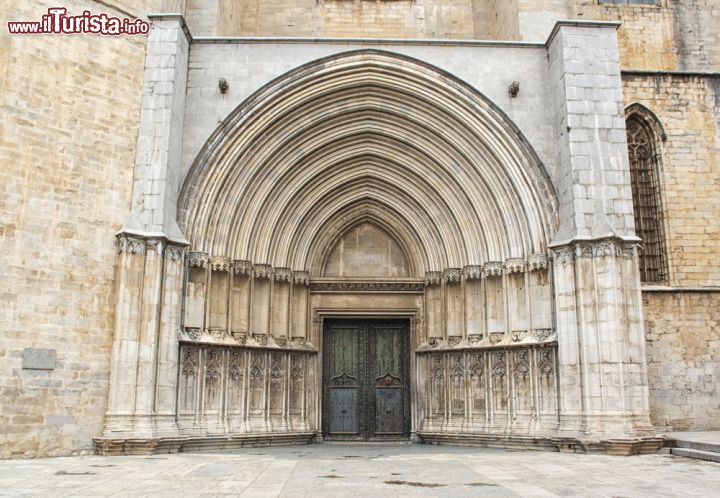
366 379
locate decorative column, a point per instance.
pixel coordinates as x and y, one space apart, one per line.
141 402
300 297
601 344
434 307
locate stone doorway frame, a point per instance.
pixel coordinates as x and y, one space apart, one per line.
411 314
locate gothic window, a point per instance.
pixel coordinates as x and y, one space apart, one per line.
644 177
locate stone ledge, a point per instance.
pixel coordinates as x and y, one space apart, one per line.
153 446
611 446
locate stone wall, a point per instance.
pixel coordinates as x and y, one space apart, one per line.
688 108
683 341
70 122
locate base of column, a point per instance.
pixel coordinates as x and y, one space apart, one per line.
151 446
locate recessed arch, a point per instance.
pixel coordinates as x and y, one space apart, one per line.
368 133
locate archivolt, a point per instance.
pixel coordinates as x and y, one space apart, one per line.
368 135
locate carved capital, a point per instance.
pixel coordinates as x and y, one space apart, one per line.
472 272
627 250
493 269
242 267
174 253
515 265
536 262
130 245
282 274
605 248
301 278
433 278
584 250
452 275
220 263
562 255
197 259
262 271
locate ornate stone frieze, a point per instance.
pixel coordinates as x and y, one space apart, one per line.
472 272
129 244
366 287
174 253
536 262
584 250
197 259
493 269
192 332
220 263
627 250
240 337
260 339
515 265
452 275
282 274
543 334
301 278
496 337
454 340
217 334
280 340
562 255
433 278
474 339
262 271
242 267
434 342
605 248
518 335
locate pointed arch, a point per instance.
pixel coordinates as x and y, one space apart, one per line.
644 136
368 133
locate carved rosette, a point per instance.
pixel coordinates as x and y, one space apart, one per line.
454 340
434 342
452 275
433 278
301 278
282 274
130 245
241 267
536 262
515 265
260 339
472 272
220 263
197 259
262 271
493 269
474 339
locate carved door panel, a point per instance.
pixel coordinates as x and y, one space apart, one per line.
344 365
366 379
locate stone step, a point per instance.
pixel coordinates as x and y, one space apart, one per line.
710 456
697 445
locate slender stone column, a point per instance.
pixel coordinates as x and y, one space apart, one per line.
601 352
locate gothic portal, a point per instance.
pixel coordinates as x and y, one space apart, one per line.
367 246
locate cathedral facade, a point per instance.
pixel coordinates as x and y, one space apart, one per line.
466 221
